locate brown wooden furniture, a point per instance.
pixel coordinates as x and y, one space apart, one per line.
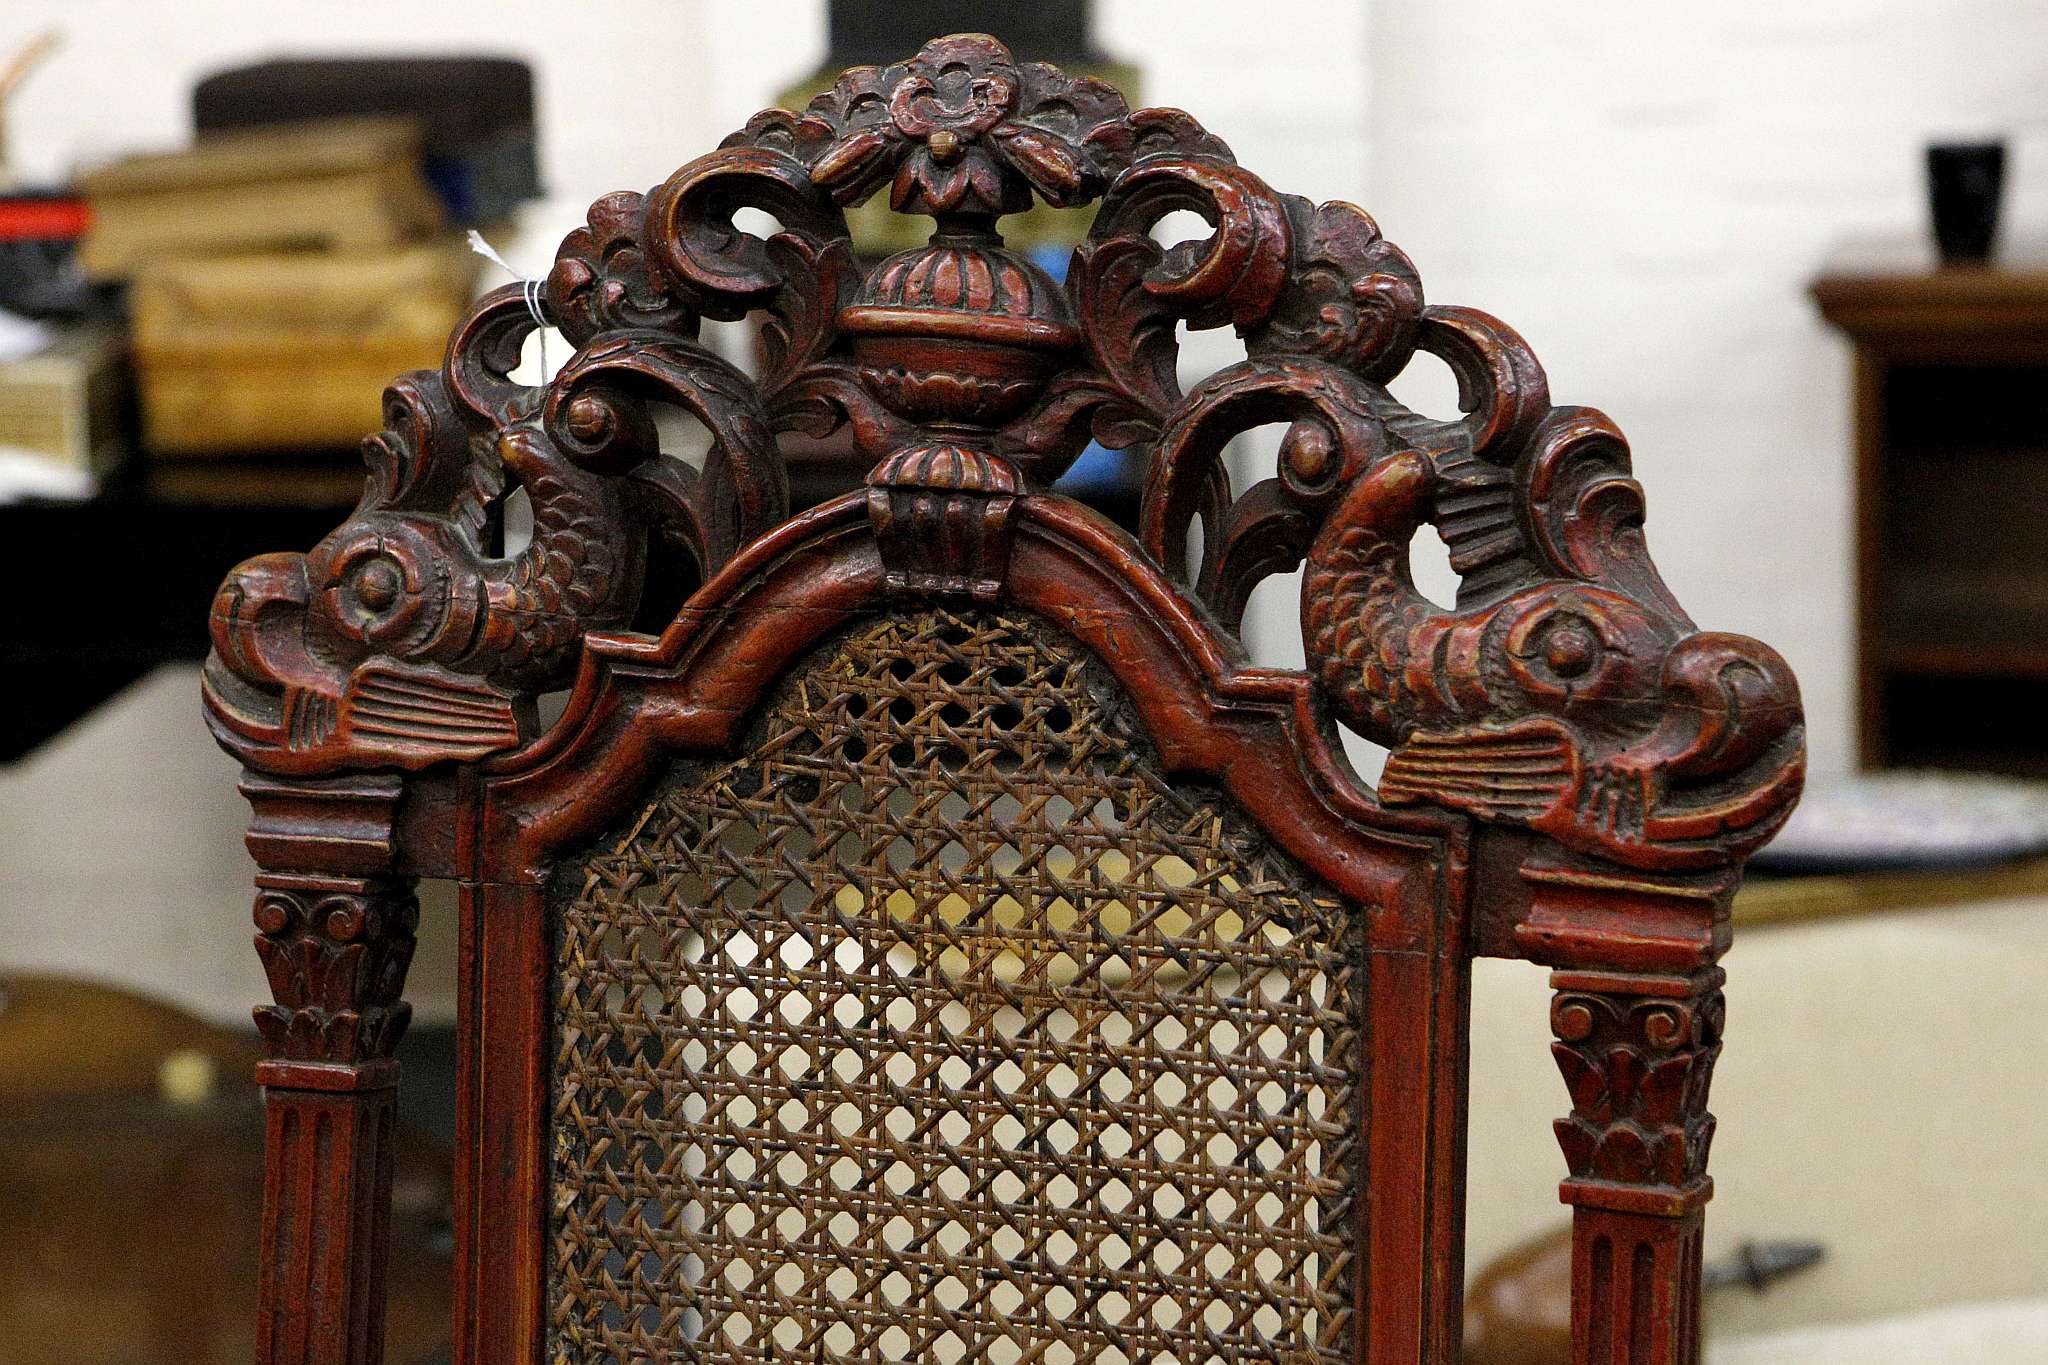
130 1175
936 941
1951 478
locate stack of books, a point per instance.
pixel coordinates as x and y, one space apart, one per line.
278 279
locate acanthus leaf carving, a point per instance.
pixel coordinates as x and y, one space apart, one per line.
335 951
1351 297
1638 1059
1565 691
603 280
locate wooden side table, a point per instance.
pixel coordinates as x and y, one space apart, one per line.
1951 502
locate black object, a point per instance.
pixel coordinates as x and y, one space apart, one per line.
59 666
1757 1264
1964 180
475 114
868 31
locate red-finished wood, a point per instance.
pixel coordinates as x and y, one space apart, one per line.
639 704
335 932
1635 1287
502 1191
328 1155
1576 772
1638 1053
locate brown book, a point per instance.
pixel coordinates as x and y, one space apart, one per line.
340 184
64 401
287 350
330 479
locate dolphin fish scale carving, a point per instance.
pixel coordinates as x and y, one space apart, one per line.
1566 692
1575 773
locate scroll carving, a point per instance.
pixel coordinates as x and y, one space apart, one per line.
336 952
400 640
1566 691
1625 761
1638 1065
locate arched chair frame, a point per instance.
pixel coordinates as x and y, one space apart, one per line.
1576 772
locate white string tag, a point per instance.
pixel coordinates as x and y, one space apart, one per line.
528 285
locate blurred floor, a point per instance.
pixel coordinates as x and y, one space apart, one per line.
131 1177
121 860
1877 1094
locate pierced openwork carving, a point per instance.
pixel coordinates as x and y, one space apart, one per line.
941 1026
1566 692
939 1004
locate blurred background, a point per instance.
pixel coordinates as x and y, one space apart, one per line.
224 225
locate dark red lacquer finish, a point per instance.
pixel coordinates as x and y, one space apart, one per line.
1576 771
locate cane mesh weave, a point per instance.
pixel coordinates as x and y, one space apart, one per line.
943 1027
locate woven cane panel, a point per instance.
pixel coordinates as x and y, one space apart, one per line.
942 1027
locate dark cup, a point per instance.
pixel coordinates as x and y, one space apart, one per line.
1963 183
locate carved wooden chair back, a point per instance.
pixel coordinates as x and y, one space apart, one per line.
939 942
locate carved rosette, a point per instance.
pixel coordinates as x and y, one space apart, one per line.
962 127
1638 1056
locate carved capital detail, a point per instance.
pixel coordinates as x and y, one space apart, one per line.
335 921
336 952
1637 1053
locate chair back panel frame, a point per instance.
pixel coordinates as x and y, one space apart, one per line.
1576 772
1255 734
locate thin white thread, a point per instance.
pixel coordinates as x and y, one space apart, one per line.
528 286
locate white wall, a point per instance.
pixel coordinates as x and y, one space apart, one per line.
627 91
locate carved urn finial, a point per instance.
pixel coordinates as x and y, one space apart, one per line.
957 337
960 335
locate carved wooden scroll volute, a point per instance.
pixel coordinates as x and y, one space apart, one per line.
1566 692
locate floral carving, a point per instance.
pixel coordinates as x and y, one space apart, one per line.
336 952
959 128
1638 1066
1565 692
602 278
